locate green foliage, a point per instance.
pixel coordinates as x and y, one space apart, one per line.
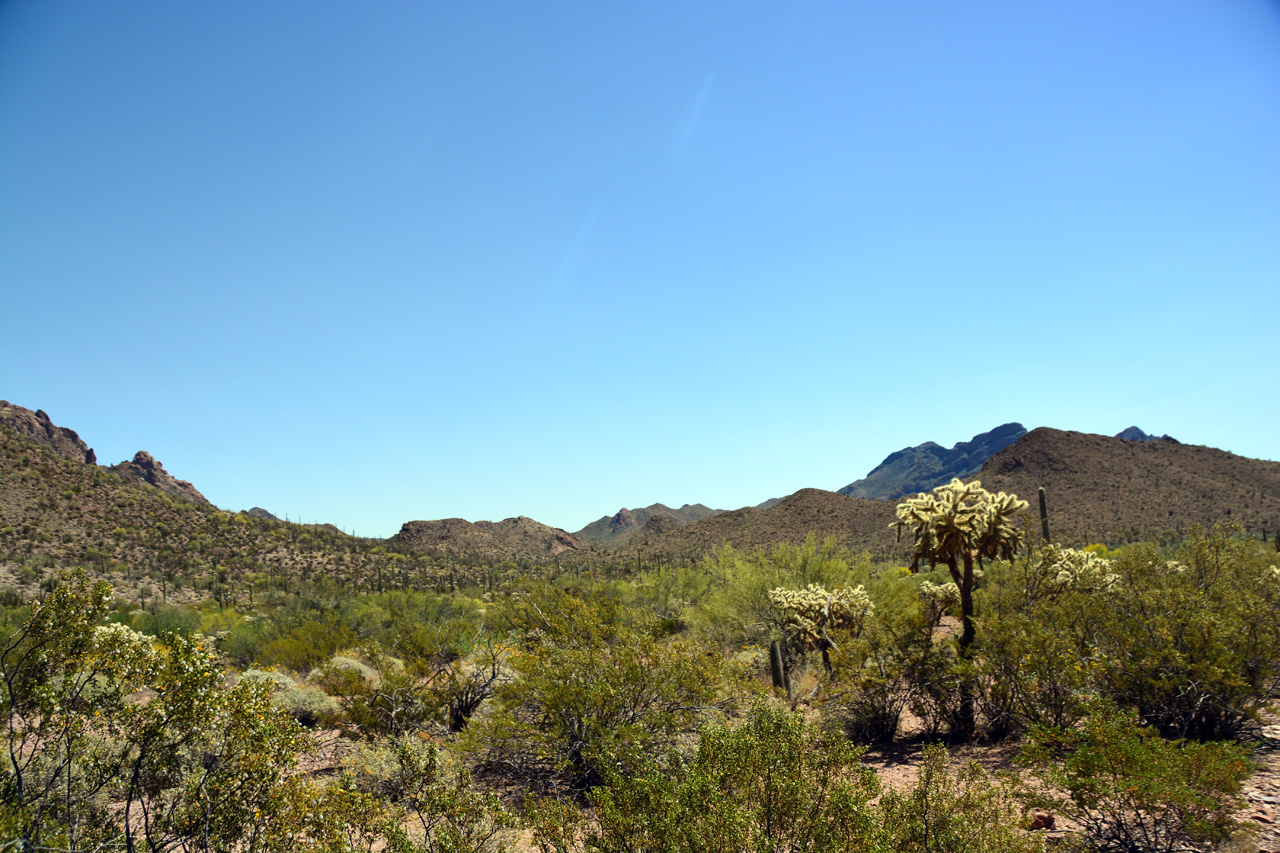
1131 790
729 594
591 691
961 812
773 783
1027 674
449 816
874 672
166 619
1189 643
198 763
296 638
1192 645
307 704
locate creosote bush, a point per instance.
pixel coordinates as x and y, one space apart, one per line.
774 783
592 692
777 784
1129 789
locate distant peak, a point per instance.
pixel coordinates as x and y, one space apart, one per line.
928 465
1135 434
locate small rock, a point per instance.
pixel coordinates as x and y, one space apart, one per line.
1040 819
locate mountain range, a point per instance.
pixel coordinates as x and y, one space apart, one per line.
1099 488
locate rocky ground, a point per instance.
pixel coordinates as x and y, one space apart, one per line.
1262 794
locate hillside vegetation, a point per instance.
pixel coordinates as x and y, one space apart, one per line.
56 512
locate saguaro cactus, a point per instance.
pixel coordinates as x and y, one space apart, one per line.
1044 517
777 670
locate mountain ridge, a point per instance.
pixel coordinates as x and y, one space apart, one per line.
1100 489
929 465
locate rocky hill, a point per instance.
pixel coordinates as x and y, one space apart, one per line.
1113 490
510 539
927 466
859 523
1134 434
137 521
630 521
1100 489
56 512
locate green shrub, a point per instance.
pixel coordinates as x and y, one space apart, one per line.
589 692
870 690
773 783
208 763
1191 645
1129 789
1028 673
308 705
438 799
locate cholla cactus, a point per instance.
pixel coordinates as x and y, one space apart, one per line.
1083 570
937 599
960 522
809 612
959 525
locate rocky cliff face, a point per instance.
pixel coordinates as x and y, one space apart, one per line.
37 427
927 466
144 468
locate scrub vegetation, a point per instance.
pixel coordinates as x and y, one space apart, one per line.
615 710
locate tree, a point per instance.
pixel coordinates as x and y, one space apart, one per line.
960 525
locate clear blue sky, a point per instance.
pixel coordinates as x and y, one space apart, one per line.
367 263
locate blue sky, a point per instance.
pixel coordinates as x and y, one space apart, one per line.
368 263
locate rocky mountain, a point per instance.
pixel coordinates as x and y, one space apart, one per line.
144 468
927 466
37 427
1112 490
56 513
510 539
629 521
1099 488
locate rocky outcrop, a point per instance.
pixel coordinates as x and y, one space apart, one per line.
660 524
927 466
259 512
37 427
145 468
